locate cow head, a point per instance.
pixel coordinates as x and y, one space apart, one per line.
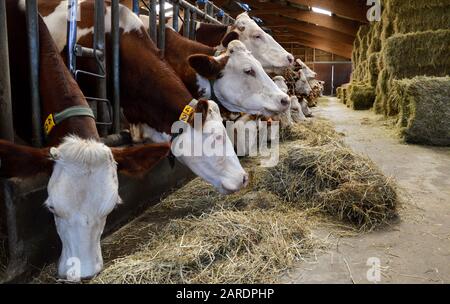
82 191
265 49
240 82
205 148
281 83
309 74
302 86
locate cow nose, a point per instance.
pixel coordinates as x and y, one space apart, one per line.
285 101
290 58
245 180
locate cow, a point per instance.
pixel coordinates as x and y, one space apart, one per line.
266 50
234 78
83 185
152 95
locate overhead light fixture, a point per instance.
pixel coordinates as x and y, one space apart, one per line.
321 11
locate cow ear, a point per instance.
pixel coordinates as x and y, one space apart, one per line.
229 37
206 66
201 108
138 160
23 161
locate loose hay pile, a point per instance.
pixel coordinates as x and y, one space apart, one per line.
255 235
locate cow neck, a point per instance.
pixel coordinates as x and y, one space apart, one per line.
177 51
211 34
151 92
57 89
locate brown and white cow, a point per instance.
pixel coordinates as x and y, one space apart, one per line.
266 50
235 78
83 185
153 95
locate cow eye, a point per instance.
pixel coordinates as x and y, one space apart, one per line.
249 71
257 36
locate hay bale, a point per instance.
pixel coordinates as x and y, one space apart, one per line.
430 18
373 69
423 53
401 6
375 43
334 179
424 105
339 93
362 97
382 93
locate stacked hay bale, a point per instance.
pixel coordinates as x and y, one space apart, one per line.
412 39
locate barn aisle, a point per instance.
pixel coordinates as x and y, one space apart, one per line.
415 250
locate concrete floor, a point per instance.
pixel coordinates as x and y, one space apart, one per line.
415 250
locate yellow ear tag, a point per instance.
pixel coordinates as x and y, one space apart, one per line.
187 112
49 124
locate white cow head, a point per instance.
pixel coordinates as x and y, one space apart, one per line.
82 191
309 74
281 83
205 148
240 82
297 113
269 52
302 86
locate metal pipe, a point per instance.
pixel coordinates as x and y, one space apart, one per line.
99 44
72 7
135 7
176 11
187 22
152 20
192 26
162 26
6 116
115 39
33 54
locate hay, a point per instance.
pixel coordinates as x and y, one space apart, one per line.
335 180
423 53
362 97
255 235
373 69
425 19
222 247
424 104
402 6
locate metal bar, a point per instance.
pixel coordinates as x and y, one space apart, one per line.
187 22
176 12
192 26
33 51
135 7
72 7
115 33
162 26
6 117
152 20
99 44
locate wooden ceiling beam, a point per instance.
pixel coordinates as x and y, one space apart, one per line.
322 45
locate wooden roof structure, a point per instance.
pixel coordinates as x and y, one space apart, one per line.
293 21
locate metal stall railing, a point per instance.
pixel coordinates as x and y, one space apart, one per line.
210 13
6 119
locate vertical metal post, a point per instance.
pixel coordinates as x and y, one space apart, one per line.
6 119
193 25
33 51
176 11
152 20
206 8
115 33
72 7
136 7
99 45
210 10
162 26
187 22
